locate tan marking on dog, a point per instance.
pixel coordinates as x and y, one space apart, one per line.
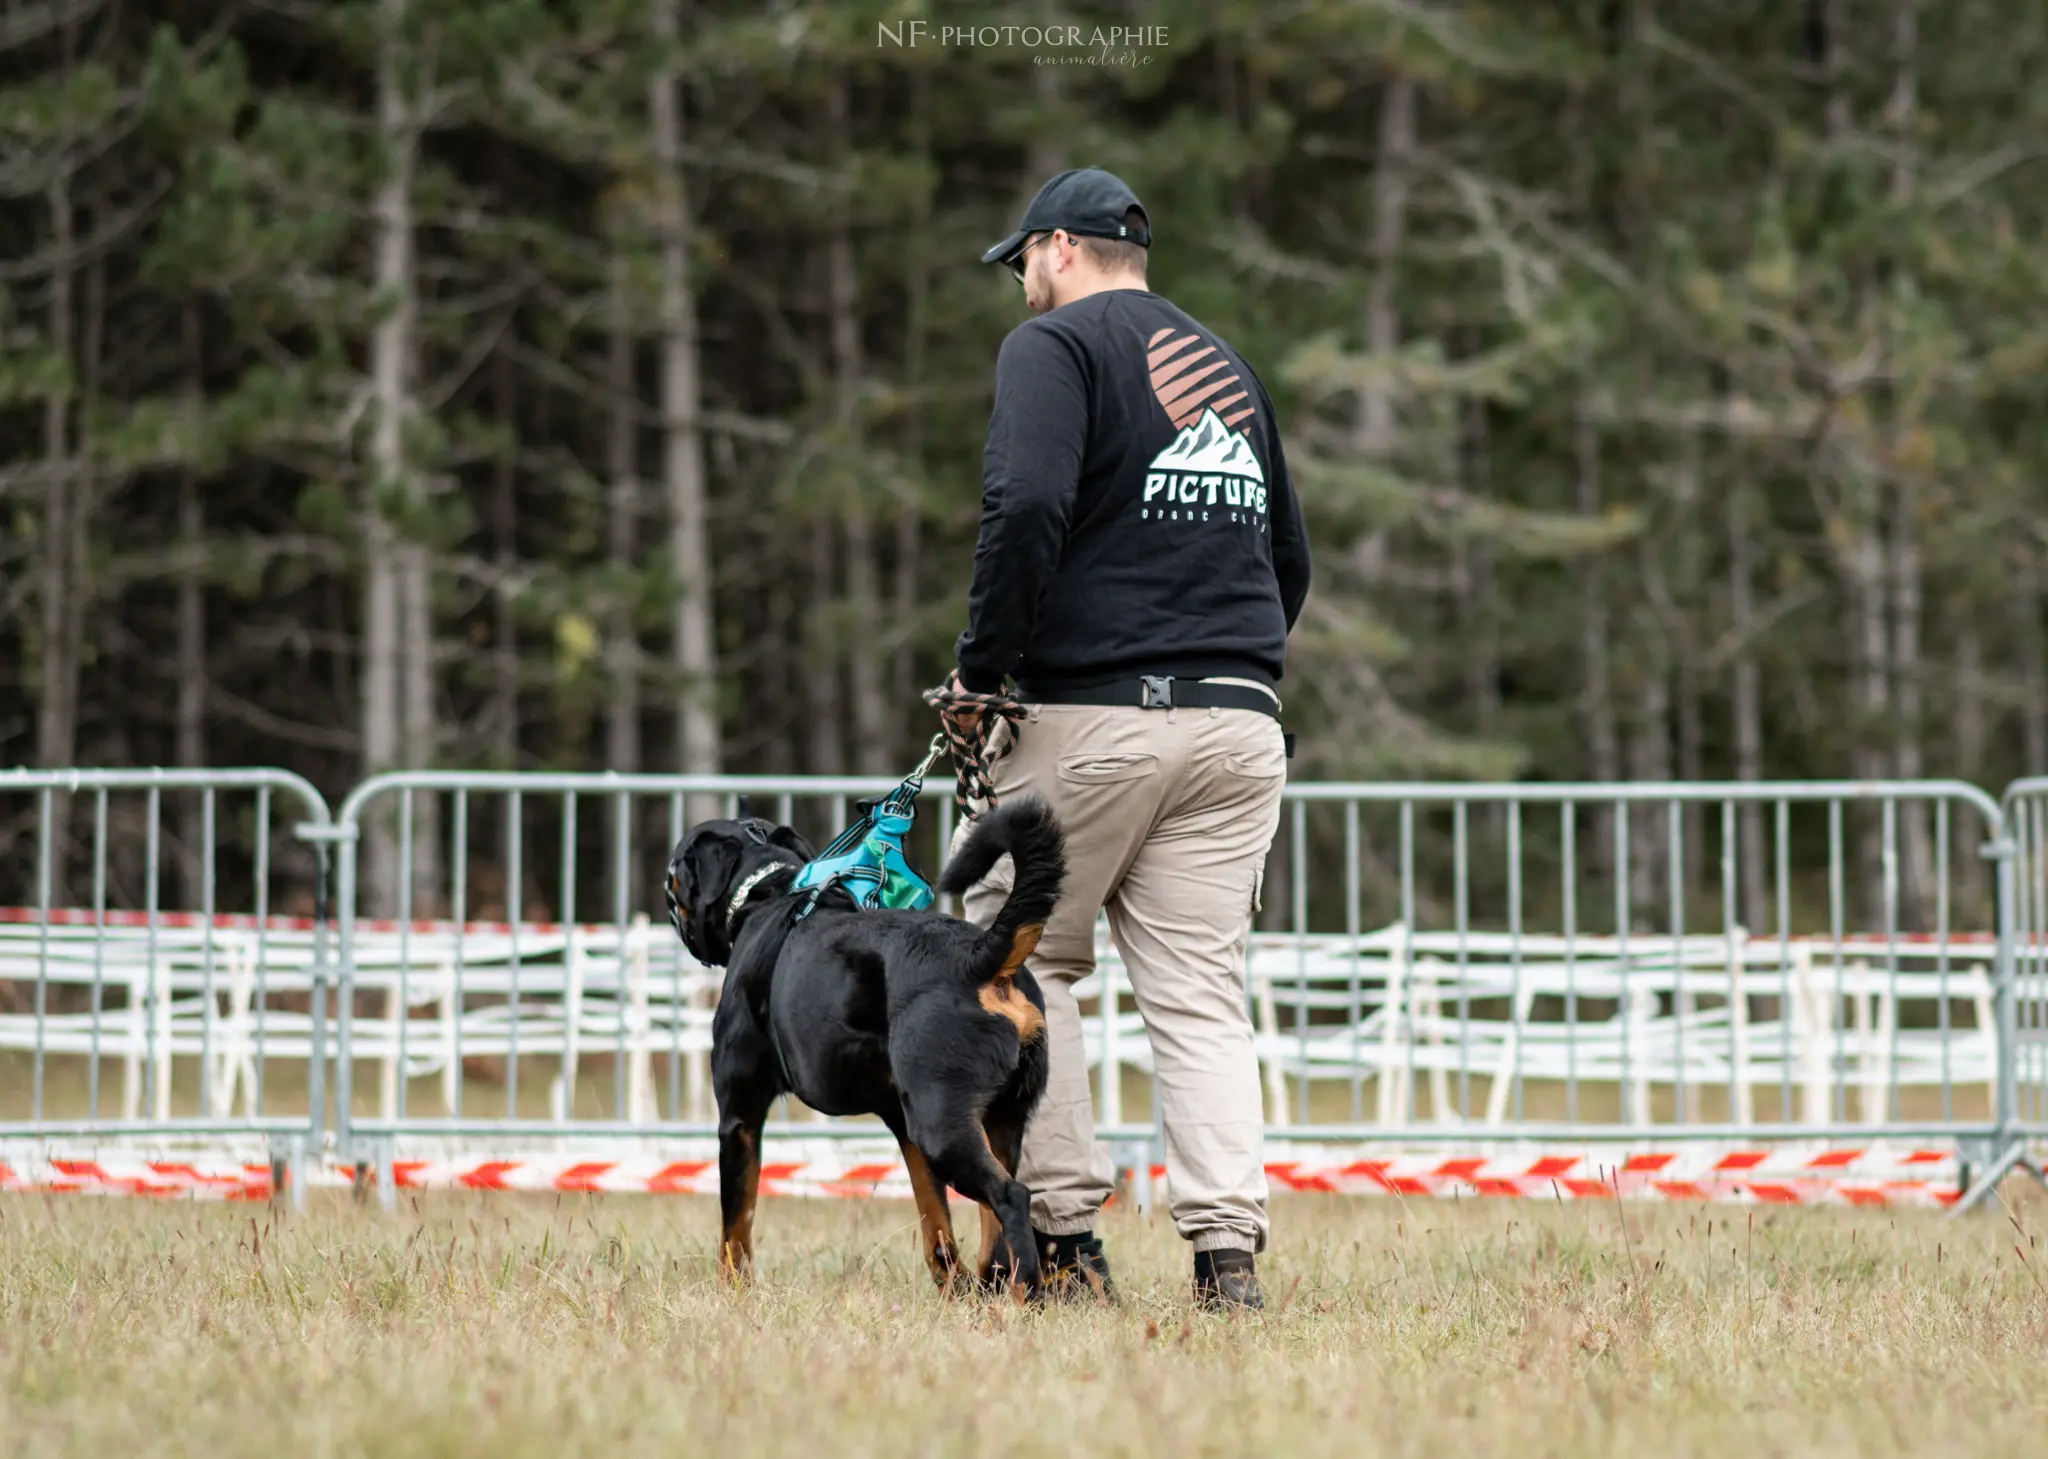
1023 945
992 1230
736 1250
934 1218
1000 995
1001 998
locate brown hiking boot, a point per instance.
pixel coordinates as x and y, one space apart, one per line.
1227 1280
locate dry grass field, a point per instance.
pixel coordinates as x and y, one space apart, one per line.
514 1326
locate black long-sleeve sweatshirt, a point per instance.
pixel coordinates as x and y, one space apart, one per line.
1136 512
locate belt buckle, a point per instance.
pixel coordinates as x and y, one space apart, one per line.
1155 691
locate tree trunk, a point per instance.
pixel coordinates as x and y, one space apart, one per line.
1472 584
392 364
1048 147
863 574
1916 846
419 720
903 597
63 514
1757 866
2033 644
783 683
189 730
1650 760
622 531
1967 870
505 559
66 505
826 707
1390 181
1691 692
1473 574
1596 702
1862 553
697 732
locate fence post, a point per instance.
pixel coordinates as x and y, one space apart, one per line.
2001 852
2008 1150
320 836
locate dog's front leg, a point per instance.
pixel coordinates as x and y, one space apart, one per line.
739 1186
743 1082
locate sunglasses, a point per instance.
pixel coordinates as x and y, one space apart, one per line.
1017 263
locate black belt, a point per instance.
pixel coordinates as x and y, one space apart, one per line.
1154 691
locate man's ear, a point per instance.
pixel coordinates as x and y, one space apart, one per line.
789 840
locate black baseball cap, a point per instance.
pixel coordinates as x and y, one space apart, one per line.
1083 200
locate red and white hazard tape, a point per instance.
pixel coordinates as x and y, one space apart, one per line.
202 1177
1855 1177
1781 1176
846 1170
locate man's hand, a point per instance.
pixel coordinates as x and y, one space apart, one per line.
965 719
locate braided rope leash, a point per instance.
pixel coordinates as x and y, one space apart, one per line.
972 759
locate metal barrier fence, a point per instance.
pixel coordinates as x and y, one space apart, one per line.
1436 966
193 1009
2024 936
517 978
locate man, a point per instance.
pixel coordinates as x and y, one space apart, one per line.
1141 561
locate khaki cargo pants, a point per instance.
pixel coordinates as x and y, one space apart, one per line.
1168 817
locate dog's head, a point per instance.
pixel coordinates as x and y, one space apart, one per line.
715 865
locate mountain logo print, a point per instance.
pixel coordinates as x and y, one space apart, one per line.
1209 470
1210 446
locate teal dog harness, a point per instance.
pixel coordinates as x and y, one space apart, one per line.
867 859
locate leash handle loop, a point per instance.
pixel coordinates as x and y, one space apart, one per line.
972 759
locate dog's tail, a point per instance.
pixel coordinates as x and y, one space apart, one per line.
1028 831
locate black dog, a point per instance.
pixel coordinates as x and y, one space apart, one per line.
924 1020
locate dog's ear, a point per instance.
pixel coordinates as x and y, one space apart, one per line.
713 862
700 877
787 838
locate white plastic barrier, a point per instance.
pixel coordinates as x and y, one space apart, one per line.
1444 1030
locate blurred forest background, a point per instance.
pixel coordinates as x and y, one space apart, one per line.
601 383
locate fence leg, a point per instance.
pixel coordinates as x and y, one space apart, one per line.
1986 1185
639 1071
283 1176
300 1175
290 1157
1141 1177
387 1175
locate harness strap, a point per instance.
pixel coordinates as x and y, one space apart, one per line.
733 908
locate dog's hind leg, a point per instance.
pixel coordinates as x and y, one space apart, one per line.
1004 1125
1005 1139
934 1216
965 1156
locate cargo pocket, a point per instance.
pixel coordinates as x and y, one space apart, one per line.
1107 768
